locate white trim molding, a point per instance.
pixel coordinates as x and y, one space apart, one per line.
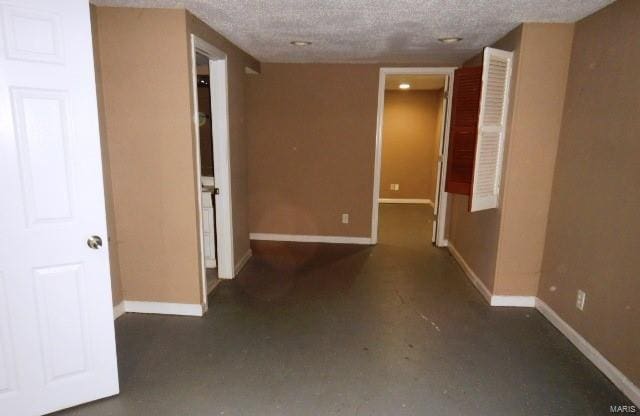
611 371
310 238
221 155
118 310
163 308
493 300
447 72
405 201
243 261
484 291
517 301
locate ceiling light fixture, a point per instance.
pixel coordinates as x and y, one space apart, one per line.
300 43
450 40
404 86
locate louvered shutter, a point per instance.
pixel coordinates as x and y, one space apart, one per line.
465 109
494 101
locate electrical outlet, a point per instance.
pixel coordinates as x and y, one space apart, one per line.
394 187
345 218
582 297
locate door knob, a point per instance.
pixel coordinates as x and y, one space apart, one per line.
94 242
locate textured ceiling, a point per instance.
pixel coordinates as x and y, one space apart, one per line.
417 82
399 31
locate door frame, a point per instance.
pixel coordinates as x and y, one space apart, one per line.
440 203
219 94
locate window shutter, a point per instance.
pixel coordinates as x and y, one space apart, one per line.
494 101
465 109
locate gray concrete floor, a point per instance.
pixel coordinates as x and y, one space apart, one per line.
311 329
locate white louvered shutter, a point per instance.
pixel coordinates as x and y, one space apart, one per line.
494 102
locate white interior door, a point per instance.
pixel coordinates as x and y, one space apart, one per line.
57 346
439 164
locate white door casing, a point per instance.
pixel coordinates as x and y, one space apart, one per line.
57 344
221 160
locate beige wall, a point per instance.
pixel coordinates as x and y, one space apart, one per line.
593 233
114 261
146 103
409 141
146 116
504 246
531 154
312 130
475 236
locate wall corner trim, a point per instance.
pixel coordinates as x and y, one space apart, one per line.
310 238
620 380
405 201
118 310
163 308
243 261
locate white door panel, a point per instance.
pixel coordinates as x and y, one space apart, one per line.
208 230
57 344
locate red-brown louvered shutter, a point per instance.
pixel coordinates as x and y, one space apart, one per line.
465 110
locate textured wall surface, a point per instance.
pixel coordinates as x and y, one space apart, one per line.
312 132
593 232
476 235
114 260
147 125
409 141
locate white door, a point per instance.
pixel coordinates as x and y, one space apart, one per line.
57 346
208 223
438 218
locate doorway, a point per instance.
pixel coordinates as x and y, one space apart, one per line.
213 173
207 175
411 142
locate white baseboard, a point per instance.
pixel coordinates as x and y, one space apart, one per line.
620 380
493 300
310 238
163 308
405 201
118 310
518 301
243 261
484 291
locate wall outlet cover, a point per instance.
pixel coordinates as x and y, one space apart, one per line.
581 298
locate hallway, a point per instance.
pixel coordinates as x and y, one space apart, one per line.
319 329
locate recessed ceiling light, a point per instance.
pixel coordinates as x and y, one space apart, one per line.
450 40
300 43
404 86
